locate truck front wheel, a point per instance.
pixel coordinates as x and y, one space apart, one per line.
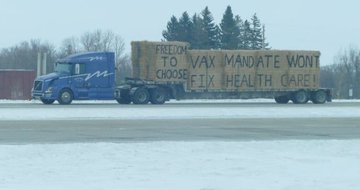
140 95
158 96
46 101
123 100
65 97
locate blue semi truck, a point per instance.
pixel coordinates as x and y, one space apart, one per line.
85 76
91 76
170 70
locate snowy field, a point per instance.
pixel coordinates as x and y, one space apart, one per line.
260 100
206 165
80 110
270 165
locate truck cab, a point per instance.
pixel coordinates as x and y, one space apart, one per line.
84 76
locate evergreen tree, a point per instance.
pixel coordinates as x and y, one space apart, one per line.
212 31
246 36
198 35
230 31
265 45
171 34
240 25
203 33
184 32
256 33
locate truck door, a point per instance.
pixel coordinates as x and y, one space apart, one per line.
81 86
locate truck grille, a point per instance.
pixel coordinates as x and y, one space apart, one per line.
38 85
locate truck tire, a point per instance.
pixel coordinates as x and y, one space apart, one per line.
65 97
158 96
319 97
282 99
300 97
140 96
46 101
123 100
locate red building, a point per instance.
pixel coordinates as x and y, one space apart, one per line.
16 84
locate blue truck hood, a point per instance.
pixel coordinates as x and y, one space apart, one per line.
50 76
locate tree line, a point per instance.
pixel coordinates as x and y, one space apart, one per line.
202 32
24 55
343 75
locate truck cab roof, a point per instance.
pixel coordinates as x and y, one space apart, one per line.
85 57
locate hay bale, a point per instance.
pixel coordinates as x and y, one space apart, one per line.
303 70
160 61
225 70
239 70
260 70
205 70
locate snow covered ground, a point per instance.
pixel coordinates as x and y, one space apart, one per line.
208 165
270 165
260 100
83 112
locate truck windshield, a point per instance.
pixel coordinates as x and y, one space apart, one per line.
63 68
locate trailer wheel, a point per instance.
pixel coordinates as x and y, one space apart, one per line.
282 99
319 97
46 101
65 97
140 96
300 97
158 96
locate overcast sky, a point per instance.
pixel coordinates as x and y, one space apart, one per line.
328 26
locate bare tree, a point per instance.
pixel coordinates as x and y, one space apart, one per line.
24 55
346 73
70 46
107 40
123 68
103 41
118 48
92 41
354 61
